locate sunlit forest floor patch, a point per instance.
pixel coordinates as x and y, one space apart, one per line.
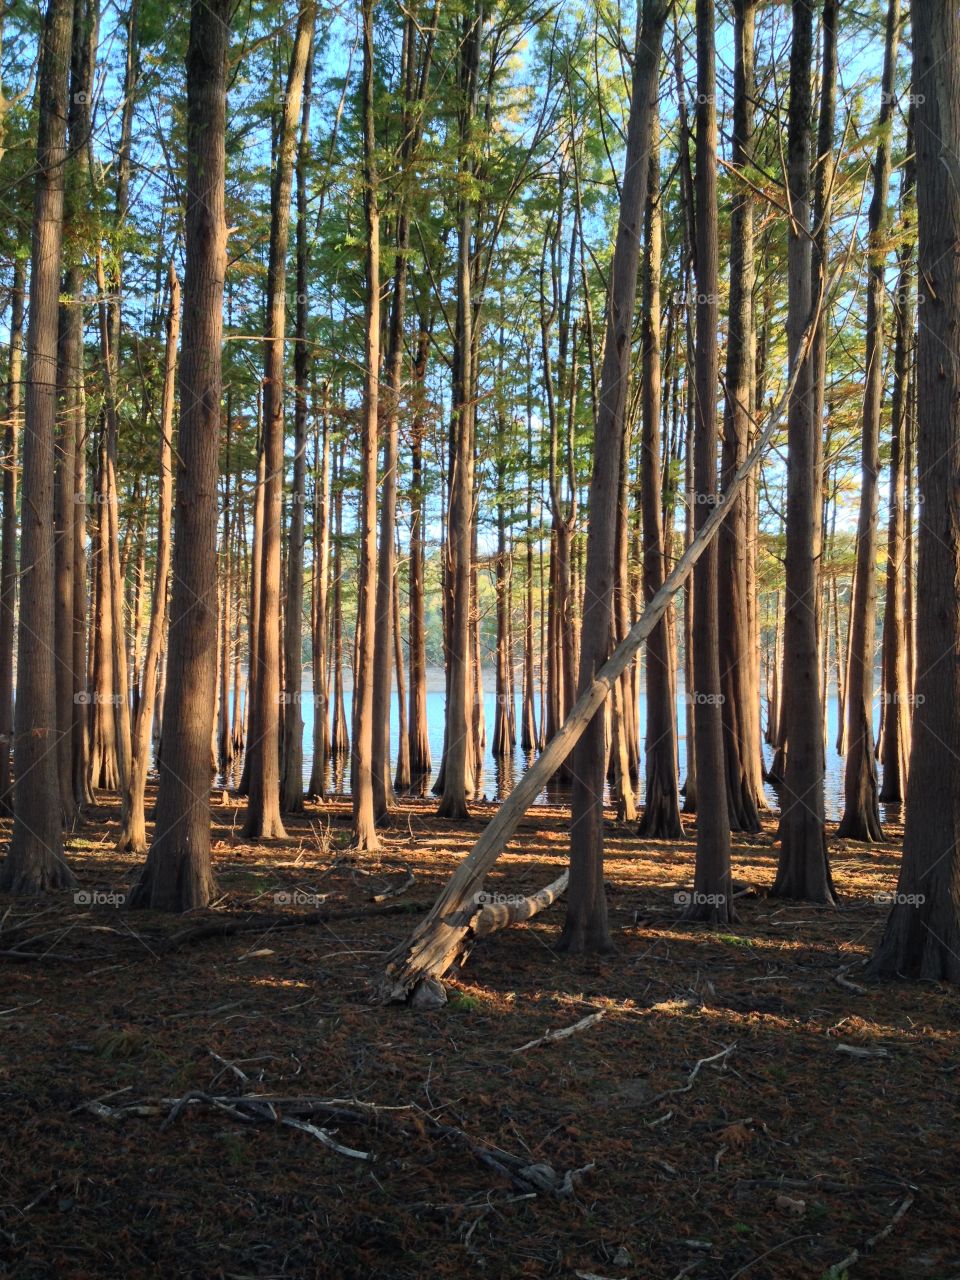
748 1104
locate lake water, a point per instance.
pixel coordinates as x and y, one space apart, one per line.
499 777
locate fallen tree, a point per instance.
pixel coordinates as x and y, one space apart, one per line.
446 933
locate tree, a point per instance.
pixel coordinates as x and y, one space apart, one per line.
134 835
263 744
585 928
713 893
922 935
861 813
364 834
740 707
177 875
8 557
35 858
803 870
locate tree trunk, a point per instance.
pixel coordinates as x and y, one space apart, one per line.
803 870
291 786
8 562
586 927
922 935
319 604
253 613
861 814
134 834
740 706
263 819
177 875
895 735
364 835
712 887
418 729
661 810
34 861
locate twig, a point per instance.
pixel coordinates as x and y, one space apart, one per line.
855 1256
562 1032
722 1057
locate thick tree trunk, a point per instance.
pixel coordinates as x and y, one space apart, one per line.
586 926
34 860
861 813
803 870
922 935
177 875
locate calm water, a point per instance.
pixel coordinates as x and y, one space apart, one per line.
499 777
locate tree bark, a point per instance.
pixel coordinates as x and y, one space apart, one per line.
8 558
177 875
861 814
134 834
586 927
803 870
34 861
922 935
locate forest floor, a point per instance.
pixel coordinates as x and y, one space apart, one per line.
817 1138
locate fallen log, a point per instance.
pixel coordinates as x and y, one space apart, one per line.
445 932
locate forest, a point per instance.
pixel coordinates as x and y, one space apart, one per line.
480 639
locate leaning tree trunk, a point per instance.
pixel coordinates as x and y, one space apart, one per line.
444 934
34 861
134 833
177 875
922 935
712 897
803 870
586 927
861 813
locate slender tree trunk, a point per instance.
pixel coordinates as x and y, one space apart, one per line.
895 739
320 609
661 811
418 730
586 926
134 835
291 785
712 888
861 814
922 935
740 698
8 558
364 835
34 860
263 819
253 614
458 763
177 875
